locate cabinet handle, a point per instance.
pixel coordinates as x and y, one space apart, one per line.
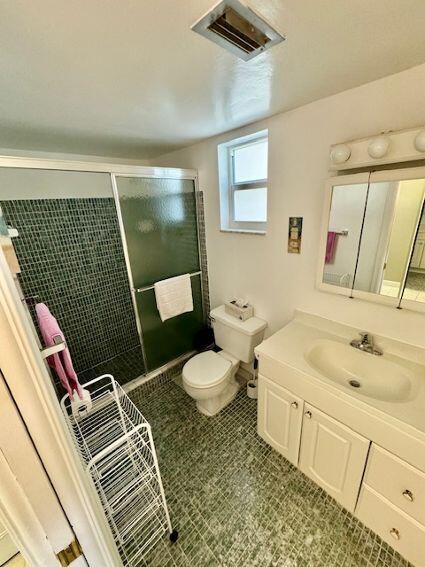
395 533
408 495
294 405
308 414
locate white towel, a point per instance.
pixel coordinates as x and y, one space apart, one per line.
173 296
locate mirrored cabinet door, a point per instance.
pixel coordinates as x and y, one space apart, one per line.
414 289
392 213
343 235
374 237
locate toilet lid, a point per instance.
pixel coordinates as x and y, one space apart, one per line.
206 369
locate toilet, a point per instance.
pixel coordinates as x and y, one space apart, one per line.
209 377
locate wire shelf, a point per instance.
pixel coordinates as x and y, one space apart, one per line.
115 445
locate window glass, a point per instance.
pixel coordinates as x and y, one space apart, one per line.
250 162
250 205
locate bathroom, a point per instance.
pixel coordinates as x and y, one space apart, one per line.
259 179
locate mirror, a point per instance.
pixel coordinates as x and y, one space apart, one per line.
415 282
375 236
343 236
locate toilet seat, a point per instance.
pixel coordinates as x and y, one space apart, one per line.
206 369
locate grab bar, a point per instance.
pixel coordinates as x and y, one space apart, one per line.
148 287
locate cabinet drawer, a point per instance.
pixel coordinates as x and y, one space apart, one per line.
399 482
395 527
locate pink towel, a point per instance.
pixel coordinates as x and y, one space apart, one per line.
60 361
331 247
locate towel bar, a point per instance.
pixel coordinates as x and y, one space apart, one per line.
48 351
148 287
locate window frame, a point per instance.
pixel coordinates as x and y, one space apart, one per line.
228 185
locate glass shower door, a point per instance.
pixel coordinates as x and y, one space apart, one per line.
159 223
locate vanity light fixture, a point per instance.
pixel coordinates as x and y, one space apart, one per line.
378 147
340 153
386 147
420 141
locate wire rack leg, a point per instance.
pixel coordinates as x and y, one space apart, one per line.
161 488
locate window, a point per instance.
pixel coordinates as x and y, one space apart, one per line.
243 183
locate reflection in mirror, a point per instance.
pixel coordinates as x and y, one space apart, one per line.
391 218
415 281
344 230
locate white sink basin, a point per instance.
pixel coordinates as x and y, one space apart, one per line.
360 372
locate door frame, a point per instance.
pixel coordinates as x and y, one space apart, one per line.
30 384
20 520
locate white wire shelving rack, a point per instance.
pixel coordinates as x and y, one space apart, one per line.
115 445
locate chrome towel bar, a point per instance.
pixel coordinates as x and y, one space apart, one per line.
148 287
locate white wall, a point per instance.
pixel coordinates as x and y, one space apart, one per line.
259 267
12 152
52 184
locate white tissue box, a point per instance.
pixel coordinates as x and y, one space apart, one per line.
242 313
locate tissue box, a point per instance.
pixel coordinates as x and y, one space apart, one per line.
242 313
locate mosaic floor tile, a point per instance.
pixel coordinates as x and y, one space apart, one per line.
236 502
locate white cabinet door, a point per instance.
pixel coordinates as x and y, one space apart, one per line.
279 418
332 455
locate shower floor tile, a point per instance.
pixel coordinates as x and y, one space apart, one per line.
237 503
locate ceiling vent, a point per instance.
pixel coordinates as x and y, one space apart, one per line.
238 29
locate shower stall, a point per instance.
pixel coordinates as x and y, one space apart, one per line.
92 241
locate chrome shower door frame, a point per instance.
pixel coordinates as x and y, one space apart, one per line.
157 173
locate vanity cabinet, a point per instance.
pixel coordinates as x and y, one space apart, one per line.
365 445
383 491
327 451
280 418
333 455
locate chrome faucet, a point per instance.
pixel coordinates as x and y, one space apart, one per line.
365 343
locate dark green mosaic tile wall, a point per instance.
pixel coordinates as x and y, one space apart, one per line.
71 257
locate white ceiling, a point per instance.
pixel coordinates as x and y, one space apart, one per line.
128 78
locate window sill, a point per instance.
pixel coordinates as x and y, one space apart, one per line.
244 231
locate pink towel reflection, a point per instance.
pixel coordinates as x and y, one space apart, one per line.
331 247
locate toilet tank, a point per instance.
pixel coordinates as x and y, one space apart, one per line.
236 337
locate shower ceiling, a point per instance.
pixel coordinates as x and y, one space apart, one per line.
130 78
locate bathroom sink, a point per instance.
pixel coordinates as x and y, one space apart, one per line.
367 374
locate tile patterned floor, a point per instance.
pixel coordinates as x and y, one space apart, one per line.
414 289
415 281
236 502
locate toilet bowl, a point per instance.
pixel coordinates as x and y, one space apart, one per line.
209 378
